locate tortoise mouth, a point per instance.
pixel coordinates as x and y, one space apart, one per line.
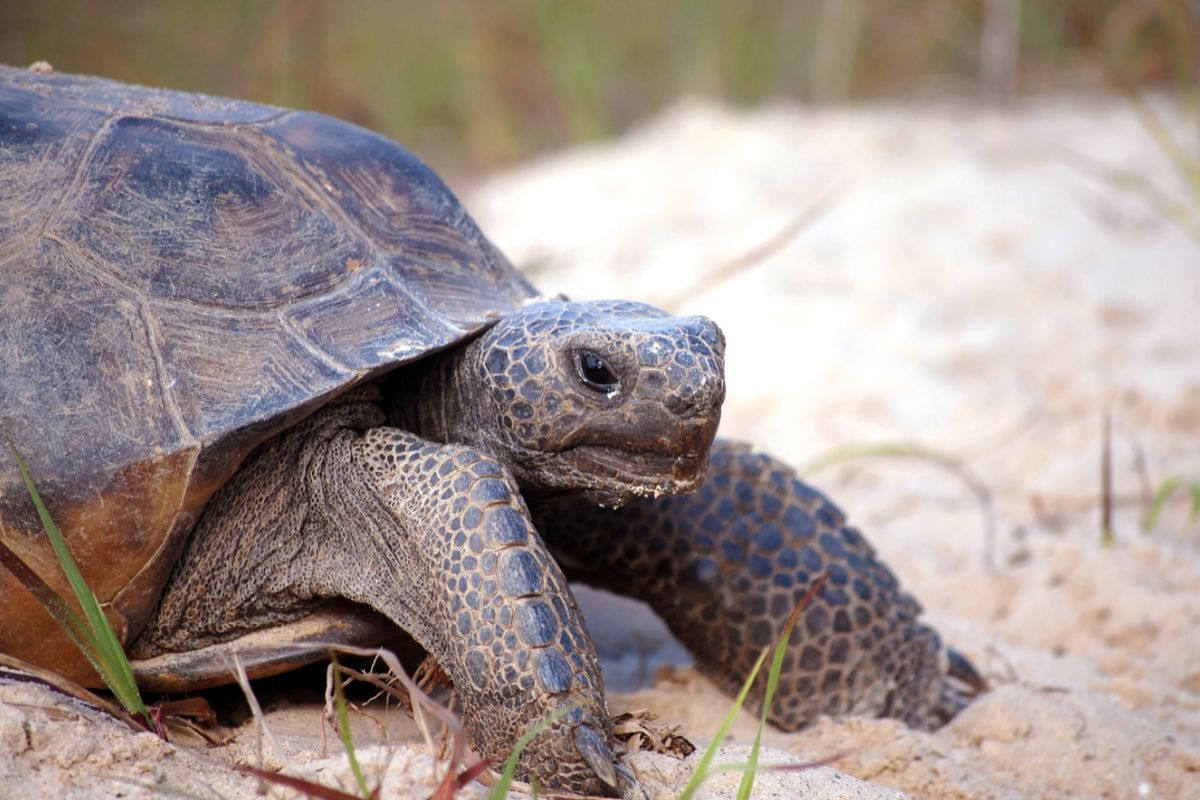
623 471
611 464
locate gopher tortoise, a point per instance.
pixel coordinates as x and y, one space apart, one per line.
279 390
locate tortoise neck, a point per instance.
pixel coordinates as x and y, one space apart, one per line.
432 398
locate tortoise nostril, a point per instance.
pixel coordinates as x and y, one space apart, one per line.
678 404
693 401
706 331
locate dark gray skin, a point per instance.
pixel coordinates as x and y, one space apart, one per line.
446 495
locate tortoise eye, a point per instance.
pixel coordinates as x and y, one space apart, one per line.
595 372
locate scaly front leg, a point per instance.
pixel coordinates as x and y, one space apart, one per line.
434 537
494 608
724 568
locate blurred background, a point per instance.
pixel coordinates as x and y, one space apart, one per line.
474 85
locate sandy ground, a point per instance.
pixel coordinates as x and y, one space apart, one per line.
981 283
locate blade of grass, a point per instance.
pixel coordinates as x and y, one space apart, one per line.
260 719
306 787
918 452
805 765
422 703
757 254
62 613
102 647
12 668
452 785
747 783
339 697
1107 537
698 777
1187 165
1166 489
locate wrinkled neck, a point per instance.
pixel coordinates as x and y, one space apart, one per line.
436 398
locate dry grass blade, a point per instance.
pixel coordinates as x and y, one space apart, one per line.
189 714
243 681
419 700
17 670
195 707
756 254
14 669
418 697
917 452
451 784
306 787
801 767
1176 211
1106 489
1187 165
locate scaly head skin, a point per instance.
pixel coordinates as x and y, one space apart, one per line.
608 399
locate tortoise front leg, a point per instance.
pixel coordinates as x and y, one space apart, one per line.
494 608
434 537
724 568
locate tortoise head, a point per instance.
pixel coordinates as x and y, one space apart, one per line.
611 398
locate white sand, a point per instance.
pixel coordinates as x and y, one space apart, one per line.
982 283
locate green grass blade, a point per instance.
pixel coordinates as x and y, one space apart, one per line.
710 753
62 613
339 697
747 782
101 647
1165 490
500 790
702 769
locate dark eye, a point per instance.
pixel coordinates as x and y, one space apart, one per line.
596 372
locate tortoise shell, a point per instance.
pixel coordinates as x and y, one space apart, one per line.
181 277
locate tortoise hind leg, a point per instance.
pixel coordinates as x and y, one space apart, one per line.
724 568
434 537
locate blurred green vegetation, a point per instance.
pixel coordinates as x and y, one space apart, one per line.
471 84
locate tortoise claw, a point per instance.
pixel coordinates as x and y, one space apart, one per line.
964 671
628 785
596 753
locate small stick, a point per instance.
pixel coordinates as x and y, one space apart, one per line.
1142 466
243 680
1106 493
